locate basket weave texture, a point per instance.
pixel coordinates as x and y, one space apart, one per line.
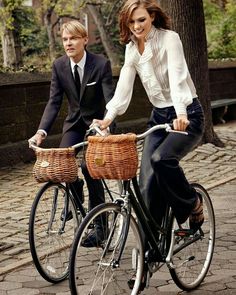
55 165
112 157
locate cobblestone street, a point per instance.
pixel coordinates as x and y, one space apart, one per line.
211 166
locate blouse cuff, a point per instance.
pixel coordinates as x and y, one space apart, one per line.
111 114
180 109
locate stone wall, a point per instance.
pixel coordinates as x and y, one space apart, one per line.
22 101
222 78
23 98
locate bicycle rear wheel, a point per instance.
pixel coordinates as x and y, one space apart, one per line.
50 237
193 252
98 269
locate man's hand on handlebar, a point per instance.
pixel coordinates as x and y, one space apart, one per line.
37 139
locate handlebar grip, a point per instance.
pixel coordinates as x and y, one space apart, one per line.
171 129
177 131
33 144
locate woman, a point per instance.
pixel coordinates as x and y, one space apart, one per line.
156 54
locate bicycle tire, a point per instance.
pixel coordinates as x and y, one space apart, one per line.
193 261
49 241
93 270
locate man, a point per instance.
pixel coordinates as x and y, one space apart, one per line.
86 81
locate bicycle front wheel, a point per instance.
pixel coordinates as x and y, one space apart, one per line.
193 253
112 259
50 237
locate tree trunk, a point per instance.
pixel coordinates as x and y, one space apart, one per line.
188 20
50 33
11 46
106 41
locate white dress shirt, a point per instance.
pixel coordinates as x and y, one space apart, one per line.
162 69
81 65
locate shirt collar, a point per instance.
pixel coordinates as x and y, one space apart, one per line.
151 33
81 63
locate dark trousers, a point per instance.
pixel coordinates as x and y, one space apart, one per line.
162 180
95 187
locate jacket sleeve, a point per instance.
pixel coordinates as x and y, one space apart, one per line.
54 103
107 84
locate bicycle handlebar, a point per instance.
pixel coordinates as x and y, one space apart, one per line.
96 128
165 126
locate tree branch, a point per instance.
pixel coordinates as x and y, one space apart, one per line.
62 16
113 13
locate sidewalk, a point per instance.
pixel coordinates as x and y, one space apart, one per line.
213 167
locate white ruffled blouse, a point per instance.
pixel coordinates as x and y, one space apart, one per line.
163 71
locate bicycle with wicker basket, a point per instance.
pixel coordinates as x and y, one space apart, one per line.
102 269
51 232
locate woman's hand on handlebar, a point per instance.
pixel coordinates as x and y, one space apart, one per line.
102 124
181 123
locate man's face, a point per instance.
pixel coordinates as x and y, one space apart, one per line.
74 46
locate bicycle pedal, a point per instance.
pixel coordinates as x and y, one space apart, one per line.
183 232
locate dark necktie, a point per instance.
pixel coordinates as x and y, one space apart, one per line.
77 79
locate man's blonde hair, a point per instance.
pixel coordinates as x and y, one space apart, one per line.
75 28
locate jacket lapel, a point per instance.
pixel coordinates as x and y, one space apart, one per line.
70 78
89 66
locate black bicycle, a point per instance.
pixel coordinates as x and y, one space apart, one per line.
56 213
118 255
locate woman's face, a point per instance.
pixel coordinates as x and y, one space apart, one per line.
140 22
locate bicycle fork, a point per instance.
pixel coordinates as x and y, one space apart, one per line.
126 208
53 211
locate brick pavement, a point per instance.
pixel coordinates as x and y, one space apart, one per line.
213 167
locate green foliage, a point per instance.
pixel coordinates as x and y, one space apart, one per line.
6 10
33 37
221 28
60 7
110 15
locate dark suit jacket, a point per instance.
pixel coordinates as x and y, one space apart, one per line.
96 91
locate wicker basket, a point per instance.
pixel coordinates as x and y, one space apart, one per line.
55 165
112 157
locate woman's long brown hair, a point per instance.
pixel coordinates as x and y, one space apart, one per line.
161 20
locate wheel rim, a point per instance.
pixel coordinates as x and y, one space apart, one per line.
50 247
94 269
193 262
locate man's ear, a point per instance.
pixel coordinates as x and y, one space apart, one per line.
85 40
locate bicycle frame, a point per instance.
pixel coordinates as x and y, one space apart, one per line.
146 221
151 228
76 198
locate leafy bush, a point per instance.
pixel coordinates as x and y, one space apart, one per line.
220 29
